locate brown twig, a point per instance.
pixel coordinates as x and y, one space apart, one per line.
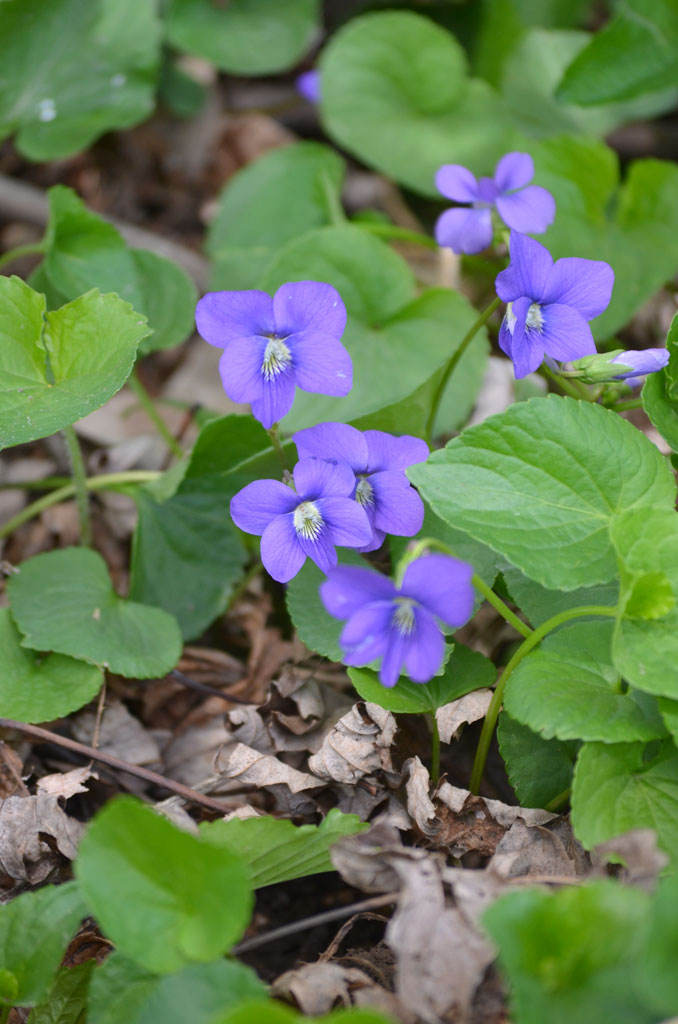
45 736
316 919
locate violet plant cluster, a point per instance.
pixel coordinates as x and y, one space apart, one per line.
349 488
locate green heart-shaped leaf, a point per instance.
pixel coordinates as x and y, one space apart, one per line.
57 367
34 688
63 601
72 71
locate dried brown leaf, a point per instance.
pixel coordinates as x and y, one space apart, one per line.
533 852
638 851
121 734
26 856
363 860
318 988
66 784
469 708
11 772
358 746
250 767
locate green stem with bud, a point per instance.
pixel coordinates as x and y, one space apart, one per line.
274 434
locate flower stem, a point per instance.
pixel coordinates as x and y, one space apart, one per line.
147 404
628 403
571 388
497 698
274 434
559 800
34 249
453 362
435 749
79 484
92 483
430 542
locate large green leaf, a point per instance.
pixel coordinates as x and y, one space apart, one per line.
73 69
245 37
176 900
635 53
539 770
540 603
57 367
660 392
273 200
645 647
569 689
465 670
82 251
396 341
573 954
532 73
396 94
66 1001
622 786
35 688
35 929
530 484
186 552
122 991
63 601
275 850
633 225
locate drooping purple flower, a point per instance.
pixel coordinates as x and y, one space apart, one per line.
523 207
399 625
272 345
307 85
379 461
305 522
634 363
549 304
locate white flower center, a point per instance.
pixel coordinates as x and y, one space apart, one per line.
307 520
277 357
403 616
364 492
510 318
534 321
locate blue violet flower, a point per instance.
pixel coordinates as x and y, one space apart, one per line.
634 363
399 624
523 207
307 85
272 345
379 461
549 304
305 522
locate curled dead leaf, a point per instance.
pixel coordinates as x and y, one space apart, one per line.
469 708
31 829
359 745
66 784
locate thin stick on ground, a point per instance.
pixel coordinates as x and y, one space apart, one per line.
312 922
45 736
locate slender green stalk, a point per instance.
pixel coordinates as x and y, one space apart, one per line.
147 404
572 388
44 483
430 542
34 249
453 362
435 749
93 483
628 403
79 484
497 698
559 800
500 607
395 232
274 434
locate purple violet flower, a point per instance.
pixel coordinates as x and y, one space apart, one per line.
395 624
379 461
272 345
523 207
638 363
308 85
308 521
549 304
